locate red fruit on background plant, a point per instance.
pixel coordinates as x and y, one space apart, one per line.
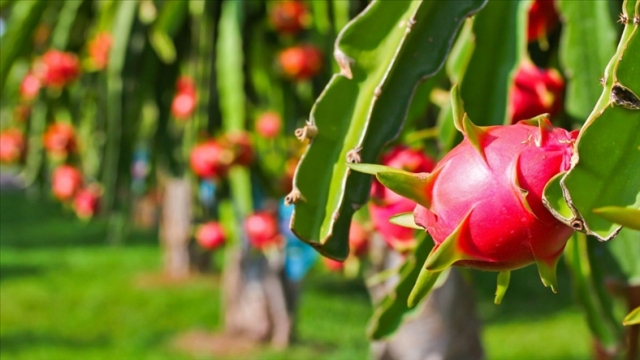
99 49
59 139
358 239
184 102
30 86
301 62
58 68
210 160
268 124
210 235
536 91
543 17
385 203
66 181
86 201
262 230
183 105
333 265
289 17
239 142
11 145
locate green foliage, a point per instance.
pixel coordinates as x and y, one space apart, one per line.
583 61
498 51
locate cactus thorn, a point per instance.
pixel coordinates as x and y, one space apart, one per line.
353 156
344 62
411 22
293 197
378 91
623 18
602 81
309 131
636 20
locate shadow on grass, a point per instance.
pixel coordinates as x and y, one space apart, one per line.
14 271
44 223
16 342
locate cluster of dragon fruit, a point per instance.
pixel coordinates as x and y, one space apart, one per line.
45 80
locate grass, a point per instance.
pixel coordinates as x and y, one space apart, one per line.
66 294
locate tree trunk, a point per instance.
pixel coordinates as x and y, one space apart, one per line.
445 327
175 227
257 298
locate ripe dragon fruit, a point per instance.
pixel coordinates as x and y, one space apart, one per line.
210 235
482 204
289 17
543 17
535 91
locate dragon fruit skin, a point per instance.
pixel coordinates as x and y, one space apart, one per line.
487 198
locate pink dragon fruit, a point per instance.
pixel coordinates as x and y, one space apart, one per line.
482 204
385 203
536 91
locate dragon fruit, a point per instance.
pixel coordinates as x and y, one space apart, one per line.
535 91
482 203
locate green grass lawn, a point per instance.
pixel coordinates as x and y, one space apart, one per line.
66 294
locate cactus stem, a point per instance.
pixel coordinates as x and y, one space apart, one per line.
309 131
503 284
448 252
